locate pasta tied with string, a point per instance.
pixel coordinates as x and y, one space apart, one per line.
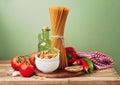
58 16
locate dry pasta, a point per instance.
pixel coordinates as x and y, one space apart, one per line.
58 16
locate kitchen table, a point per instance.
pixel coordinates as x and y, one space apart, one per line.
104 77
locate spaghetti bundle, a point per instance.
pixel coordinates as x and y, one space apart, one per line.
58 16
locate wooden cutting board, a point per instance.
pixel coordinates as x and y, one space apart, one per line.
58 74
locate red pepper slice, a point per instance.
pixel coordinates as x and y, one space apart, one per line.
85 65
77 62
82 62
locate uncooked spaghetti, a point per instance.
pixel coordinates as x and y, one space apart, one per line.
58 16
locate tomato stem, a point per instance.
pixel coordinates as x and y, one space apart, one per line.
27 63
19 59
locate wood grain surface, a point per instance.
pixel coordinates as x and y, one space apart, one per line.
104 77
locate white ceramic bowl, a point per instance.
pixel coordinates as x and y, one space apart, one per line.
47 65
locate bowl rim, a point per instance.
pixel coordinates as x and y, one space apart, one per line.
51 59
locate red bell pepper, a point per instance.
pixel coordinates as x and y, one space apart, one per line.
71 55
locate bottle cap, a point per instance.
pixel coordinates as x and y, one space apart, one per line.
45 29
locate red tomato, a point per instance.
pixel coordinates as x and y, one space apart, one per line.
32 58
26 69
17 61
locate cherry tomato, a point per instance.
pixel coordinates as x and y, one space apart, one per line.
17 61
26 69
32 58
